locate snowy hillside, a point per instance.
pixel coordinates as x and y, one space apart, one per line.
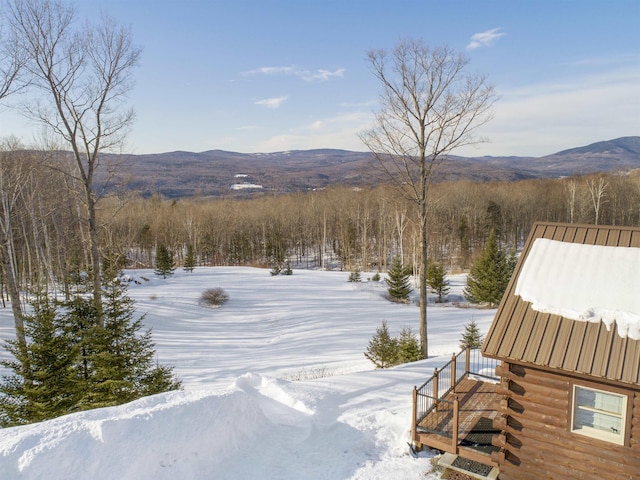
276 386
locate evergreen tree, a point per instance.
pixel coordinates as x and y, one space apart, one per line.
382 349
79 316
398 282
122 366
512 261
112 263
189 260
287 269
437 280
75 364
51 385
276 269
489 275
471 336
355 276
165 264
408 347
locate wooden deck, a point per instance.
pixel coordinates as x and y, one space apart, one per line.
476 400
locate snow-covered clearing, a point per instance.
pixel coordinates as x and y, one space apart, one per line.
276 386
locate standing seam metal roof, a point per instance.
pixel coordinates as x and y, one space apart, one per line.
519 333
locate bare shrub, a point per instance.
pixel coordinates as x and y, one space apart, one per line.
310 374
213 297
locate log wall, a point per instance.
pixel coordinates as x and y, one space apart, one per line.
536 441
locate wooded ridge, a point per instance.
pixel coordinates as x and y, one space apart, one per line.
221 173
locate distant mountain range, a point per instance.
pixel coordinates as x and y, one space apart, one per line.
222 173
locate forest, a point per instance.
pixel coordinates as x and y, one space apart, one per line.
42 220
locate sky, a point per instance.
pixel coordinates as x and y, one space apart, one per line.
276 75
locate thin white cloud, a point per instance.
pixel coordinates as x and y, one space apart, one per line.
317 125
544 118
608 62
340 131
322 75
319 75
484 39
271 71
337 123
271 102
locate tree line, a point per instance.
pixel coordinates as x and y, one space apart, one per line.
347 229
336 229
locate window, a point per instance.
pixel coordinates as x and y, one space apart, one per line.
599 414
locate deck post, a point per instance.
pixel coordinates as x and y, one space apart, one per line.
454 380
435 388
414 429
468 360
454 433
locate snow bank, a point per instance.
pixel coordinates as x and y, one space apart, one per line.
238 418
584 282
258 428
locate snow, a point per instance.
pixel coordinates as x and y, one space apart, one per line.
584 283
276 386
244 186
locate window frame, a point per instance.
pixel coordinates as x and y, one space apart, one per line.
590 432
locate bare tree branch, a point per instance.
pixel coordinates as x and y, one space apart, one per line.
429 106
81 77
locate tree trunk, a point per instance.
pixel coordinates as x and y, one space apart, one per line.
9 274
422 278
94 253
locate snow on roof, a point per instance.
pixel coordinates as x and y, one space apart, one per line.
584 282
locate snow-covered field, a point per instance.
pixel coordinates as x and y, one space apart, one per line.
276 386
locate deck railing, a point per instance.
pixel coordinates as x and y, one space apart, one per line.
430 396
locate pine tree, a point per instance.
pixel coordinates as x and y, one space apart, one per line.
165 264
437 280
489 275
189 260
355 276
398 282
79 317
276 269
122 364
51 386
512 261
408 347
471 336
287 269
75 364
382 349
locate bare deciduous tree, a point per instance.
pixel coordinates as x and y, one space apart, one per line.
571 187
598 191
10 183
82 76
429 106
14 173
11 62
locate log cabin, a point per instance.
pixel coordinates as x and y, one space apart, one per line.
567 336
